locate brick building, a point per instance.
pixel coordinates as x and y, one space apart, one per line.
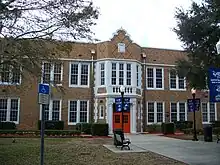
91 76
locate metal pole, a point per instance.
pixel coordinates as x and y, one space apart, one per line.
144 98
122 110
42 137
194 116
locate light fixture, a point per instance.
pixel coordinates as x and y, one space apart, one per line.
92 51
122 89
143 55
193 91
218 47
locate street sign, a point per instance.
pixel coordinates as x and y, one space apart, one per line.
214 84
43 94
190 105
43 98
118 102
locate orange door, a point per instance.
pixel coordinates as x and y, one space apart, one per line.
117 121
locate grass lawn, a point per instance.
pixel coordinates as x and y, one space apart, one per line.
74 151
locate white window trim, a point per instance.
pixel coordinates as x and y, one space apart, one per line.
208 111
10 76
79 75
51 73
9 107
178 110
154 77
104 74
100 108
77 112
177 84
126 73
50 109
155 112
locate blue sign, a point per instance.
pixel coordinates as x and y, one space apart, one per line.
44 89
193 106
118 102
214 84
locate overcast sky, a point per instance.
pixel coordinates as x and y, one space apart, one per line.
148 22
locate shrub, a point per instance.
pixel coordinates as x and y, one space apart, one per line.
52 125
84 127
215 124
62 132
154 128
99 129
168 128
180 125
216 130
7 125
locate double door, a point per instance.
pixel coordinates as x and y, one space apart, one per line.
117 121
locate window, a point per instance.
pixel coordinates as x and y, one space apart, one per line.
10 75
137 69
178 112
101 112
177 82
78 111
102 70
155 112
52 111
155 78
209 112
121 74
128 74
113 73
52 73
79 75
9 109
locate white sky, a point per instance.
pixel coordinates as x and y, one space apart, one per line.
148 22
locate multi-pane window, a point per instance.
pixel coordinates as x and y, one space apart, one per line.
78 111
52 73
10 74
128 74
113 73
137 73
177 81
208 112
102 70
121 73
178 112
155 112
9 109
52 111
101 112
79 74
155 78
150 78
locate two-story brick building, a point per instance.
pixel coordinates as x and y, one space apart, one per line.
91 76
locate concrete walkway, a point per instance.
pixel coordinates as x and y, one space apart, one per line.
190 152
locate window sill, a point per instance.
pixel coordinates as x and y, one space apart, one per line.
79 86
160 89
11 84
176 89
72 123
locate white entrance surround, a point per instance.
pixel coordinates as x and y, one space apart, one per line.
133 116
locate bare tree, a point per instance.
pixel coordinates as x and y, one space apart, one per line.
31 30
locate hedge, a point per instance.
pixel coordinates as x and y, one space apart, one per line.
99 129
7 125
215 124
37 133
154 128
84 127
180 125
52 125
168 128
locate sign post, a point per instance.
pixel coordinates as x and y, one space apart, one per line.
43 98
214 84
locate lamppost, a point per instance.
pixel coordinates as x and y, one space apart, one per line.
144 94
218 47
122 89
193 91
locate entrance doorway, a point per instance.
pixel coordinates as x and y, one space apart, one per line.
117 121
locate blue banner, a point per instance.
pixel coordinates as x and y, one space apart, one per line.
118 102
193 105
214 84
